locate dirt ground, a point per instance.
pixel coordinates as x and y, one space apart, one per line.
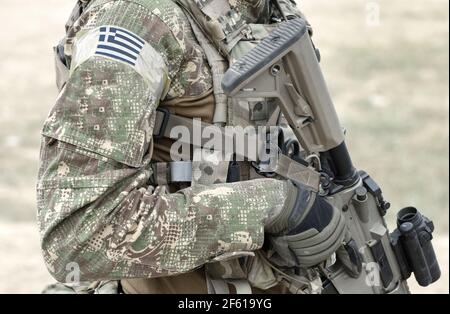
386 63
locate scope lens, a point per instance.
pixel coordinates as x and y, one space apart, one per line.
408 214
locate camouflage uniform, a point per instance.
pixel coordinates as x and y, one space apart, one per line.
96 205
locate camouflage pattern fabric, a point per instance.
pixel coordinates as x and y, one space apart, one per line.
97 287
96 209
224 21
251 10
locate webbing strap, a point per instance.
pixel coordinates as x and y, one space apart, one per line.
165 123
295 171
242 286
76 13
285 166
220 286
172 172
216 286
224 27
180 171
218 66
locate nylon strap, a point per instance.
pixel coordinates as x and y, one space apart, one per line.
224 29
218 66
76 13
242 286
172 172
285 167
220 286
216 286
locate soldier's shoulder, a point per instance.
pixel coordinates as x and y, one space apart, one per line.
162 5
166 10
161 23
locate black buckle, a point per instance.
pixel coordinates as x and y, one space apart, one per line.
162 129
59 49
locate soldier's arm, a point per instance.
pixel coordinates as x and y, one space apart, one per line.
96 210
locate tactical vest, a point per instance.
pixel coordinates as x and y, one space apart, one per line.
225 36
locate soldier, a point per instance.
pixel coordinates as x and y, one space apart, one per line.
111 203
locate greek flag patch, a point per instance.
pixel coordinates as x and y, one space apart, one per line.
119 44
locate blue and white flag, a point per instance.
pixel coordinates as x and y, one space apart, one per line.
120 44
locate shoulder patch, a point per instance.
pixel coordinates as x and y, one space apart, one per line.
119 44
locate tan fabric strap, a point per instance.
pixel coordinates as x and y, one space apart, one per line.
172 172
285 166
221 286
218 66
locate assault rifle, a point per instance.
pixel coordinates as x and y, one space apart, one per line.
285 67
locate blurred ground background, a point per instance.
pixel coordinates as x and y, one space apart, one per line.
386 63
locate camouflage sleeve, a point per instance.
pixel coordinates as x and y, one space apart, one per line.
96 210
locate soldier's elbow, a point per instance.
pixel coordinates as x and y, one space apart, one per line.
65 243
61 259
